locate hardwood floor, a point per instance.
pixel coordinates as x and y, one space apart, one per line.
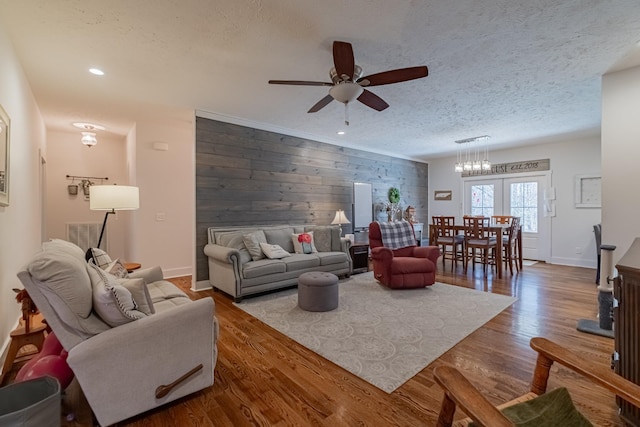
263 378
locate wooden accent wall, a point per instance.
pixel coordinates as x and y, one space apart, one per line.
247 176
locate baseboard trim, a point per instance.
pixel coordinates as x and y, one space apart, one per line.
201 285
574 262
177 272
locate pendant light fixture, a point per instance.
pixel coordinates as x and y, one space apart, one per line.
88 135
476 162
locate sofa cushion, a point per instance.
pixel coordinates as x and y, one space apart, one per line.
300 245
252 242
170 303
140 293
329 258
263 267
273 251
59 245
64 281
233 239
112 301
322 237
67 277
280 236
163 290
301 262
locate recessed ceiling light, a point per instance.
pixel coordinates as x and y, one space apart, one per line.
96 71
88 126
341 132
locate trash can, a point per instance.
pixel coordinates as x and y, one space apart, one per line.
32 403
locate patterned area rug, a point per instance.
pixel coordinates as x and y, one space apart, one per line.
383 336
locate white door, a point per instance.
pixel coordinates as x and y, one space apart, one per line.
520 196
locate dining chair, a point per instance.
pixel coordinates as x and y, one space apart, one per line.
501 219
478 236
447 237
510 245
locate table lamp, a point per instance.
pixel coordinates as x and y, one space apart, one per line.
340 219
112 198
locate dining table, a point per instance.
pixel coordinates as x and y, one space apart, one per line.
497 229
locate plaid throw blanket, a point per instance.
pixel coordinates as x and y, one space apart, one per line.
396 235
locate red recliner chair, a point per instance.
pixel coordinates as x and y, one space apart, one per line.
404 267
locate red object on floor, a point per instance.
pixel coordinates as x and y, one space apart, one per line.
52 361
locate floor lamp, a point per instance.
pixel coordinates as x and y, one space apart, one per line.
112 198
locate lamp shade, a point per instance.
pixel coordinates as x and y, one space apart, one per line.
113 197
340 218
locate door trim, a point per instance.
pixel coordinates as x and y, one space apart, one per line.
546 177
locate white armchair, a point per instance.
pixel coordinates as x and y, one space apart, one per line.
164 349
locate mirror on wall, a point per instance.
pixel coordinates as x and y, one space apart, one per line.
4 157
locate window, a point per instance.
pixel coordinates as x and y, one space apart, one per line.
482 200
524 203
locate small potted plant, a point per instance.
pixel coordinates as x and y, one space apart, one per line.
393 207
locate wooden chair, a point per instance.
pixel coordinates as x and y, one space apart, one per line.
446 236
502 219
460 392
478 236
510 245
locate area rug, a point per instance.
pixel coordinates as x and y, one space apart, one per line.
381 335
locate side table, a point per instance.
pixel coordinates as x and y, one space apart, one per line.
360 256
130 266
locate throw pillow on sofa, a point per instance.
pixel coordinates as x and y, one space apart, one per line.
100 257
252 242
118 269
303 243
113 302
274 251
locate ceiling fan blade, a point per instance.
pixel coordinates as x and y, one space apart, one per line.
372 100
394 76
298 83
343 59
321 104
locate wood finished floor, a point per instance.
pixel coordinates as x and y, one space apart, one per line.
263 378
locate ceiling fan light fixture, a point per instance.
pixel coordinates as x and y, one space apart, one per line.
346 92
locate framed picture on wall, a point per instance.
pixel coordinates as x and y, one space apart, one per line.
442 195
5 127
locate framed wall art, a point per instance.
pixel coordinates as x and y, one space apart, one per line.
442 195
5 128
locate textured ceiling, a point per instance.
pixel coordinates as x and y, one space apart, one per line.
520 71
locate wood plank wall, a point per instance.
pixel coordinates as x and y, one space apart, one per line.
247 176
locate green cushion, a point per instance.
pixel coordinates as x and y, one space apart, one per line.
552 409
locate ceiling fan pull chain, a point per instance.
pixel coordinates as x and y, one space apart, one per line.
346 113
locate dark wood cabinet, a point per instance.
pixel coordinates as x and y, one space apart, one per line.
626 314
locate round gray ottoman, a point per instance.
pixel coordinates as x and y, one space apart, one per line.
318 291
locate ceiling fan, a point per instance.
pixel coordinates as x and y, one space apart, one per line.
347 83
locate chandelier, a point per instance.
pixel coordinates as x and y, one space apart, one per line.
473 155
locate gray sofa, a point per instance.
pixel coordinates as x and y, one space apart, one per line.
125 337
233 270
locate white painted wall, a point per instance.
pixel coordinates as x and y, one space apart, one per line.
571 227
620 155
167 188
67 156
20 222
